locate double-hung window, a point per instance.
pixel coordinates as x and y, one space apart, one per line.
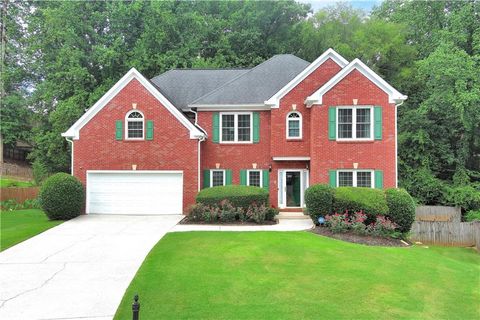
355 123
135 124
254 178
355 178
236 127
294 125
217 178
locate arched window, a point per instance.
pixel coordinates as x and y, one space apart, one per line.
294 125
134 128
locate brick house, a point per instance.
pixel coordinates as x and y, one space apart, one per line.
148 146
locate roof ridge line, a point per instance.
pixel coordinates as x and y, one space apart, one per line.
228 82
199 69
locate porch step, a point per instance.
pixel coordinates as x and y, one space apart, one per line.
291 215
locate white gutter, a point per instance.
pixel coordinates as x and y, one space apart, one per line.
200 140
396 144
71 160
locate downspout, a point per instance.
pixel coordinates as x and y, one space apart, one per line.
200 140
71 157
396 143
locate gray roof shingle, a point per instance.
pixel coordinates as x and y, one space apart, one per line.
184 87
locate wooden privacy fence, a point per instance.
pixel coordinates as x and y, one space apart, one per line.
464 234
18 194
15 170
438 213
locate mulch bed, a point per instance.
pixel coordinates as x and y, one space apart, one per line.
235 223
355 238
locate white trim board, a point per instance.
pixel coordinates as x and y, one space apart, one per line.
291 158
74 130
274 101
393 95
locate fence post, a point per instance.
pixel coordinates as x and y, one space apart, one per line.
135 308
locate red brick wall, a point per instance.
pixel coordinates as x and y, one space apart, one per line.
280 146
377 154
170 149
235 156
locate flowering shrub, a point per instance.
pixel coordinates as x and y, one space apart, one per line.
224 211
338 222
257 213
382 227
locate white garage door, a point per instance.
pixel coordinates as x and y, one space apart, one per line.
134 192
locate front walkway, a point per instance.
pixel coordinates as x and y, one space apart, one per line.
283 225
79 269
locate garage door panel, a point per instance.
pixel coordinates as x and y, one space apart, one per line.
135 193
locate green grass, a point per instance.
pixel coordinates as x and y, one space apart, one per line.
8 182
299 275
17 226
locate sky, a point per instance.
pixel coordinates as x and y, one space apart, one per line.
359 4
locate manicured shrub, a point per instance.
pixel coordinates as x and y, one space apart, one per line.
238 196
227 212
370 201
271 213
195 212
61 197
319 201
257 213
337 222
473 215
401 208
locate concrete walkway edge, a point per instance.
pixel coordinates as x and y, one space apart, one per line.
283 225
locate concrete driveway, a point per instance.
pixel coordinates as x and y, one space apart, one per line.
79 269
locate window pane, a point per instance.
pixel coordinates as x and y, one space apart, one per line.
363 123
243 127
293 128
217 178
135 129
364 179
135 115
254 178
228 129
345 123
345 179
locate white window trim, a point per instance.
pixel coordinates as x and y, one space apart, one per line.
372 177
216 170
260 173
235 127
300 125
127 120
354 123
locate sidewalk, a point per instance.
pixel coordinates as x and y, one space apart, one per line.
283 225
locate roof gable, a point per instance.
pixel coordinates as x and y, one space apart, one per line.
74 130
274 101
393 95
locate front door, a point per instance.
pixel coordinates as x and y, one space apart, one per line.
293 188
292 184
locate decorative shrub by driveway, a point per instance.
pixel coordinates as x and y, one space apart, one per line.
239 196
300 275
62 197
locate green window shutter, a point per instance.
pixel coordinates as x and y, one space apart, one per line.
118 130
216 128
243 177
378 179
332 123
332 176
377 124
266 179
228 177
256 127
149 135
206 178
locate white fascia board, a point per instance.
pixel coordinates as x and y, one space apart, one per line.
274 101
291 158
393 95
74 130
228 107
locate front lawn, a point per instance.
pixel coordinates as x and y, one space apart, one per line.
9 182
295 275
19 225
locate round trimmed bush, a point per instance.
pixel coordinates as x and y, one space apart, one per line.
371 201
401 208
319 201
61 197
238 196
